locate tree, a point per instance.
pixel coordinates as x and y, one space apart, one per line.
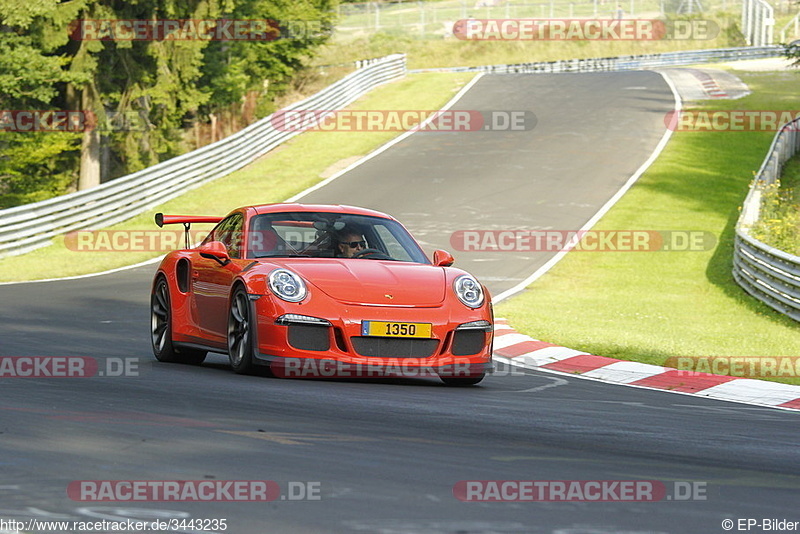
33 164
143 93
233 68
792 52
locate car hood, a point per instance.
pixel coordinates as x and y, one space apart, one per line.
364 281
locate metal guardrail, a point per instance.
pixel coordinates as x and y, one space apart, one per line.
28 227
25 228
768 274
634 62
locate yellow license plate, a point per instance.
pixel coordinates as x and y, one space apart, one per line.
389 329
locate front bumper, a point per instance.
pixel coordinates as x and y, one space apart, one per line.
298 342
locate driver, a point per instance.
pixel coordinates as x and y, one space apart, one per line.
350 243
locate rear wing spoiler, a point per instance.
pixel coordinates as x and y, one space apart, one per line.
186 221
162 219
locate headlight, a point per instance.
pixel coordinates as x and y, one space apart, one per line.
287 285
468 291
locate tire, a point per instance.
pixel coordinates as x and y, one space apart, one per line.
161 329
240 332
462 381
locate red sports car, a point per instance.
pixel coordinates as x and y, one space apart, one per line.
319 291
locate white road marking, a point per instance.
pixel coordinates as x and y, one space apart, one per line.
606 207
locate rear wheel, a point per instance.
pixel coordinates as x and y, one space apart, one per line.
462 380
161 329
240 332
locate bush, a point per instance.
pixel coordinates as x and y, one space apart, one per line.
779 219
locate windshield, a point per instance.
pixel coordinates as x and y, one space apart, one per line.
331 235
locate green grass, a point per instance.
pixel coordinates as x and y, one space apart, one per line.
648 306
638 306
428 51
275 177
429 17
282 173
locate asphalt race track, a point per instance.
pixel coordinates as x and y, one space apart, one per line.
592 133
385 456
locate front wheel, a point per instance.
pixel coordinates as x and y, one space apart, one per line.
462 381
240 333
161 329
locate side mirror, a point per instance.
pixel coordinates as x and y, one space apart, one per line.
442 258
214 250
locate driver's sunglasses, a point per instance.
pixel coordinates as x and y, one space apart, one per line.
354 244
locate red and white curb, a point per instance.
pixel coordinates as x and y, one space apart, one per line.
523 351
710 85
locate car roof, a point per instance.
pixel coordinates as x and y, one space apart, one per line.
325 208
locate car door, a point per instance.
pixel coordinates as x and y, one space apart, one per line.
211 282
